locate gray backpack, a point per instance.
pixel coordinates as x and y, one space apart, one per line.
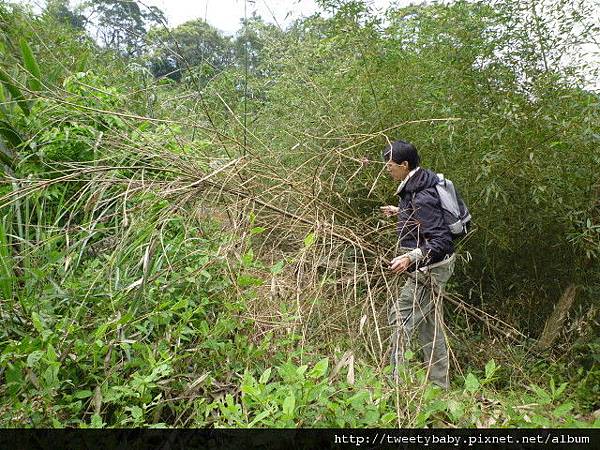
456 213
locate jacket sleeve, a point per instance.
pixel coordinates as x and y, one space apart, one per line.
434 238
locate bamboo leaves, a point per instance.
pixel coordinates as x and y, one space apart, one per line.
8 132
11 136
33 82
14 91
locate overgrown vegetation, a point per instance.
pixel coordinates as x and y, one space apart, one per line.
188 226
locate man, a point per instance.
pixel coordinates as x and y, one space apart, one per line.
427 254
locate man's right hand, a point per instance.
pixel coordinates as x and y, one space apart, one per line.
389 210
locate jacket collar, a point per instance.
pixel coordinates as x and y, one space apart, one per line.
403 184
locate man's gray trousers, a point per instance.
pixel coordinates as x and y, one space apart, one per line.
419 308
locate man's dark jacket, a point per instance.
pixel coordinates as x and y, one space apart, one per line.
421 221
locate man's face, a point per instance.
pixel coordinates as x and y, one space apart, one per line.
398 172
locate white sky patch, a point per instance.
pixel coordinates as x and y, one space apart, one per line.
226 14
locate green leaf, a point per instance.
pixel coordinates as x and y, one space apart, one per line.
300 370
13 378
320 369
358 400
309 240
264 378
137 413
83 394
372 417
563 409
31 65
51 354
37 322
471 383
34 357
490 369
277 267
289 404
248 258
11 135
15 92
181 304
257 230
456 409
543 397
247 280
101 330
259 417
96 421
250 389
560 390
388 418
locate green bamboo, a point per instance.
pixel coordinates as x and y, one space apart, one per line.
31 65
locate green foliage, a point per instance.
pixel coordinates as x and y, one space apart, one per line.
30 63
14 91
194 47
132 297
122 25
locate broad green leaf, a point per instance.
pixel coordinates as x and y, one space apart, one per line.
250 389
181 304
31 65
320 369
96 421
560 390
471 383
83 394
264 378
257 230
137 413
301 370
309 240
259 417
247 280
289 404
34 357
563 409
51 353
248 258
358 400
101 330
37 322
543 397
456 409
372 417
388 418
490 369
13 378
277 267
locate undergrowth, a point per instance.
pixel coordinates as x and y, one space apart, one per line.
156 272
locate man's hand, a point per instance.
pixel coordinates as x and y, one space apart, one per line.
399 264
389 210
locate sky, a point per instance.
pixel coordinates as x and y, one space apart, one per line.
226 14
